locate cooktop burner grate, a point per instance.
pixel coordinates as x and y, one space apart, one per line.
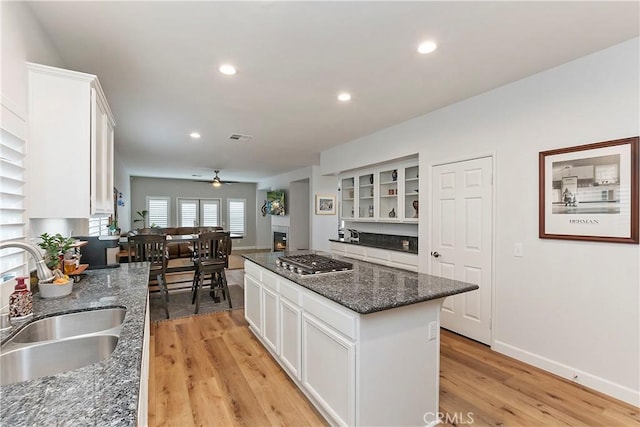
312 264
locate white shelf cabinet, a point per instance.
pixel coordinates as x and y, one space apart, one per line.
385 194
71 137
347 363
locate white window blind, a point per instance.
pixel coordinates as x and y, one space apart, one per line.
99 226
187 212
158 208
210 213
237 216
198 212
12 181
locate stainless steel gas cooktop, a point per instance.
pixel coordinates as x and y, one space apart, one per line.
312 264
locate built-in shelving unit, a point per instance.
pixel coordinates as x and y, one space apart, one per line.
347 186
384 194
366 196
411 187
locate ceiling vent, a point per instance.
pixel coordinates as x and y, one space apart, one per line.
240 137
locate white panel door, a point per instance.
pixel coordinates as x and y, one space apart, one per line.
461 209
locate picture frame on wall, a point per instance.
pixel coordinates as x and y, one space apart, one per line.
590 192
325 205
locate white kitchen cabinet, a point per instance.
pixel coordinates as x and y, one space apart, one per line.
271 319
71 136
290 333
374 369
328 369
143 396
348 197
253 303
383 194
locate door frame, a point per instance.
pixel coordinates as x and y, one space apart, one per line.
494 205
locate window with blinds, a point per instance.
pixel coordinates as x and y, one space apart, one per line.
158 208
237 222
12 196
99 226
198 212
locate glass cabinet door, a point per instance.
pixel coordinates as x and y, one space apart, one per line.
411 183
388 195
348 198
365 196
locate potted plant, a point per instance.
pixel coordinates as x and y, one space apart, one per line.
143 218
113 228
55 246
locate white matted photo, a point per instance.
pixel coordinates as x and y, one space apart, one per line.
590 192
325 205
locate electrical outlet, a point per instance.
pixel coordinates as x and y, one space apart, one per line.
433 331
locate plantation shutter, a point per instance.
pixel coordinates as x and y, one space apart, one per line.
158 208
12 196
210 213
188 210
237 216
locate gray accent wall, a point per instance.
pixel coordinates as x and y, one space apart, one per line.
141 187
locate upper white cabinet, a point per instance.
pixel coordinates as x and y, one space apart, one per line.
384 194
70 145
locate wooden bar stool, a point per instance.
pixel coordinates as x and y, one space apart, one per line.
210 259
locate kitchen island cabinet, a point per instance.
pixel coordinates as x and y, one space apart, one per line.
110 392
363 345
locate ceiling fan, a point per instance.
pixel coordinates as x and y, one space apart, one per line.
217 182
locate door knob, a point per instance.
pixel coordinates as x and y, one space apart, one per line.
435 254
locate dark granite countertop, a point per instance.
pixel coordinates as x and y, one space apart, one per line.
390 247
100 394
369 287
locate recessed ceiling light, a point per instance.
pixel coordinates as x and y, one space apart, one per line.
227 69
344 97
427 47
194 135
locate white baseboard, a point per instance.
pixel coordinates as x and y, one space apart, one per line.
586 379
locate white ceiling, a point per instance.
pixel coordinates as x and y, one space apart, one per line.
158 61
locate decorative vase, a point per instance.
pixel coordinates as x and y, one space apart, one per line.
371 179
415 206
392 214
394 175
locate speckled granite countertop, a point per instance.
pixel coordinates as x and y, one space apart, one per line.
369 287
100 394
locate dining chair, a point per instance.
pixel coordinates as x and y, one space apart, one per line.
211 257
152 248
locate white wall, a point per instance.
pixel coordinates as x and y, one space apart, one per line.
323 227
122 182
568 307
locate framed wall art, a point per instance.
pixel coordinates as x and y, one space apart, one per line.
325 205
590 192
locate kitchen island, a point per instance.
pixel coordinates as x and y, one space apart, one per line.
102 393
363 345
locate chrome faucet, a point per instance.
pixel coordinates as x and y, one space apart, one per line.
44 274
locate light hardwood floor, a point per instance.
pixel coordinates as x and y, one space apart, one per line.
211 371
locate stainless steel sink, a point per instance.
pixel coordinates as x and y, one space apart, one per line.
70 325
60 343
53 357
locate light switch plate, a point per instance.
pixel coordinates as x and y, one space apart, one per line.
518 250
